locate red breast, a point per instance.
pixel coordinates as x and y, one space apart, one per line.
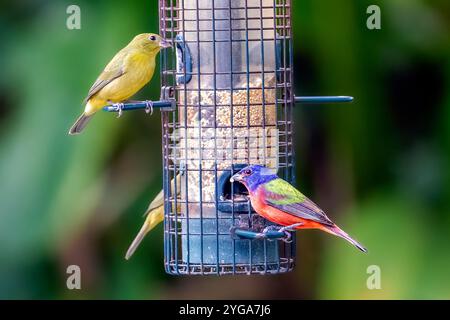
277 216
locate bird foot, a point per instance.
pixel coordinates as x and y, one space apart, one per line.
291 227
271 228
263 233
148 107
287 237
119 107
286 230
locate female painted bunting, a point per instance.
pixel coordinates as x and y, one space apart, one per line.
129 70
279 202
155 215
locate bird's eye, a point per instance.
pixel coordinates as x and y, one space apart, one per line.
248 172
153 38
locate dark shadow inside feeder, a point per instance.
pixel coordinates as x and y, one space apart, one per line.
230 194
239 192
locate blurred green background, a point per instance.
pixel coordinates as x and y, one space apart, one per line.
380 167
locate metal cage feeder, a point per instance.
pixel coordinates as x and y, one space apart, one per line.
232 78
226 102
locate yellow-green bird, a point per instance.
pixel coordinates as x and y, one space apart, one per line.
155 215
129 70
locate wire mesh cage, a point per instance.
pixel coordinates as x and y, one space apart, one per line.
230 72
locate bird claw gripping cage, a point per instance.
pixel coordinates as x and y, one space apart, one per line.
226 102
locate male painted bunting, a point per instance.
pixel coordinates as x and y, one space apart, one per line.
129 70
279 202
155 215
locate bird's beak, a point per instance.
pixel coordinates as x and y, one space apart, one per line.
236 177
164 44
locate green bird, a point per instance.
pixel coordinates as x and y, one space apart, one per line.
155 215
129 70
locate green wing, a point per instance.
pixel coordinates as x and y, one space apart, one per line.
283 196
112 71
159 199
283 193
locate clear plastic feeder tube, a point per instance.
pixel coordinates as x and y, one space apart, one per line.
228 106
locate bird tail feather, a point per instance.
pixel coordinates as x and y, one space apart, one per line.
137 240
335 230
79 125
154 217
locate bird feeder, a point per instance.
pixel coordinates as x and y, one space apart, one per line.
226 102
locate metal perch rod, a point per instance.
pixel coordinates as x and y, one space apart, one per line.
162 104
323 99
170 104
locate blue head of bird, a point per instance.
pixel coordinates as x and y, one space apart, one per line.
253 176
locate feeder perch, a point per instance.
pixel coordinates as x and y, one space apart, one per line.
226 102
